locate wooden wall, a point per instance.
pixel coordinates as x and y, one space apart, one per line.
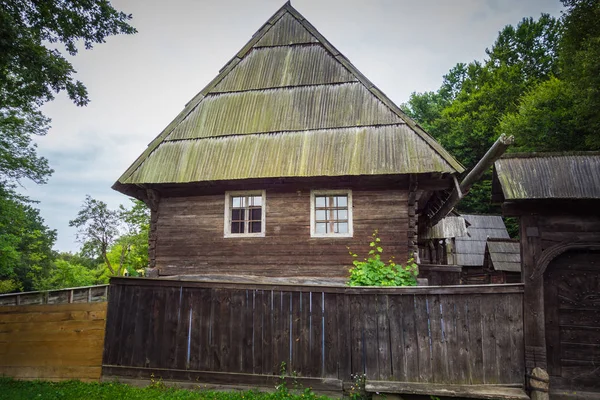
53 341
188 234
240 334
549 230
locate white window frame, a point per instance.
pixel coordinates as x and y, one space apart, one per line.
313 233
227 220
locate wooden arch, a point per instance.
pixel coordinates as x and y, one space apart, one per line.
554 251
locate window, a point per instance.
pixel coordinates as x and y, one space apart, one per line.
245 214
331 213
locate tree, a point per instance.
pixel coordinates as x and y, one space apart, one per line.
25 243
579 53
465 113
67 275
101 228
31 72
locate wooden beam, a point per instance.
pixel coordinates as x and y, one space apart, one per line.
508 392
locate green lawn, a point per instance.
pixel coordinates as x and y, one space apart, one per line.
75 390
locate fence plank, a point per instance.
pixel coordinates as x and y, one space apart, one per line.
331 345
344 335
475 339
268 363
318 329
384 361
488 328
423 339
253 338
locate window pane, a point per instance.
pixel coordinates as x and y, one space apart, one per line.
342 201
320 215
256 200
254 227
236 202
342 215
320 201
342 227
255 214
321 228
237 214
237 227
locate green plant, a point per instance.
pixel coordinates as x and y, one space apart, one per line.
375 272
357 388
157 383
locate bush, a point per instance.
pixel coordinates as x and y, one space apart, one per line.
374 272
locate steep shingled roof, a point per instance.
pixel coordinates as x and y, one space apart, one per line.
470 250
504 254
288 105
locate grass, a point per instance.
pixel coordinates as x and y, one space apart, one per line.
75 390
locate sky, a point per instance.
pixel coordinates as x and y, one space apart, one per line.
138 83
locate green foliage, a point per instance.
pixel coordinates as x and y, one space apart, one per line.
372 271
357 388
25 243
32 71
65 275
481 100
118 237
75 390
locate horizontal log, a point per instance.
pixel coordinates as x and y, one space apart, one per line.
409 290
218 377
492 392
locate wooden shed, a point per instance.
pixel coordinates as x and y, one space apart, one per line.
284 159
557 199
502 261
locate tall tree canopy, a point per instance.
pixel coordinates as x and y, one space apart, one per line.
35 35
465 113
32 72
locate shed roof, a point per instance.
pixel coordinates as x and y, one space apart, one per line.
504 254
548 176
470 250
288 104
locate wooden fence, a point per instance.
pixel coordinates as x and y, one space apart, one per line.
52 341
241 333
85 294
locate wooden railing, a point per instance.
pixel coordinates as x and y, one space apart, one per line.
241 333
85 294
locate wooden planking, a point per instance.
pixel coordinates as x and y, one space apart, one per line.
66 343
190 235
435 337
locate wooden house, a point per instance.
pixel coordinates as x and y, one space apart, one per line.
286 158
557 199
502 261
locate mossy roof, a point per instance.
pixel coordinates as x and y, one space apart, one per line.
528 176
288 105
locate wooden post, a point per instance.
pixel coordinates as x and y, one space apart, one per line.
533 297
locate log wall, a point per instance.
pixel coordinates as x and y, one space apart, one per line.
187 234
52 341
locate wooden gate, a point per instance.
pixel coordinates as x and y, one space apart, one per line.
572 311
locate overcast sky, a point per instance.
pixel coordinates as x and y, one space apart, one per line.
137 84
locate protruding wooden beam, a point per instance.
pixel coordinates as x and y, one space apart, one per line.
494 153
